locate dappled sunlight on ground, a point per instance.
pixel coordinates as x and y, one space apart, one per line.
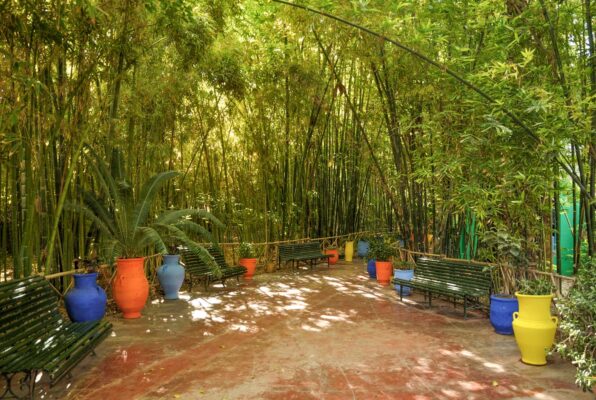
328 333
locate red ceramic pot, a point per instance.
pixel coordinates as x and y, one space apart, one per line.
251 265
334 255
130 288
384 272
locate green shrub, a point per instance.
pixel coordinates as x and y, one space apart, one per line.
540 286
405 265
380 250
578 327
247 250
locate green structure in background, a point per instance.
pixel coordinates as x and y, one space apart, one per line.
468 238
567 227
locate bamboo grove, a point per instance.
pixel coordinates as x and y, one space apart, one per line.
285 124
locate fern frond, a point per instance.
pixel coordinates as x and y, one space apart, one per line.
148 193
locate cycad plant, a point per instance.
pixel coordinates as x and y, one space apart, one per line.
124 221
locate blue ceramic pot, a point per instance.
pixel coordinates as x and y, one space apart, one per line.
372 269
403 274
501 313
171 276
362 248
86 301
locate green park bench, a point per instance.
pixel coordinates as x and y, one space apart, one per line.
198 271
302 253
34 337
454 279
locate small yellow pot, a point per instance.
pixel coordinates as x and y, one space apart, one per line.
534 328
349 251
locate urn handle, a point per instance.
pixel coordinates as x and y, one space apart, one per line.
515 315
555 320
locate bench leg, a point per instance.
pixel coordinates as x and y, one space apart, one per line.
401 292
465 307
32 379
8 388
6 384
430 299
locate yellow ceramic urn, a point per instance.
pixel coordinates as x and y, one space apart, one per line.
534 328
349 251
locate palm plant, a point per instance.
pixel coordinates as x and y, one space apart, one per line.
123 219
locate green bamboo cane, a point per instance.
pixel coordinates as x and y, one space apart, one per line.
60 206
567 168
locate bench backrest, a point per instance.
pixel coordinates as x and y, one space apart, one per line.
28 308
462 274
195 265
288 251
217 254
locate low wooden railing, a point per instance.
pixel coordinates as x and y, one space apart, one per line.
266 253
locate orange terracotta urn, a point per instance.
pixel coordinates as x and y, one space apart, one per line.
130 288
251 266
334 255
384 272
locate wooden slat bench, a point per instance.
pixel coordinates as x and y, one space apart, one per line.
198 270
34 337
456 279
306 253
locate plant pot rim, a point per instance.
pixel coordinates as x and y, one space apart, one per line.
83 274
130 258
248 258
542 296
503 296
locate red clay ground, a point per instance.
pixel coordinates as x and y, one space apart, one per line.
327 334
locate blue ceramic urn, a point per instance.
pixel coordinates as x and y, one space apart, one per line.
171 276
371 268
406 274
501 313
362 248
86 301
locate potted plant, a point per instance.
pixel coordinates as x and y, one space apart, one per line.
334 253
248 259
86 301
382 252
504 248
403 270
128 230
533 326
